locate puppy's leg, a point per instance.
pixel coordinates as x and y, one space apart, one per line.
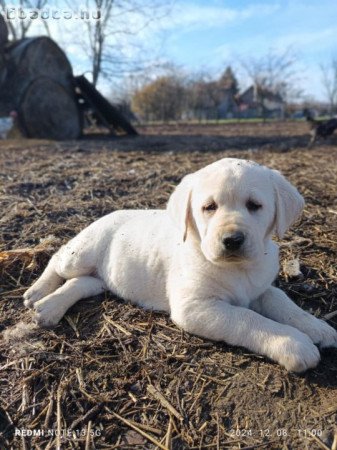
51 309
276 305
74 259
217 320
46 284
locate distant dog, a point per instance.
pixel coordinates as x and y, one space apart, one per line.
208 260
323 128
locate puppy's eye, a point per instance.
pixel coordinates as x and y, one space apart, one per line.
252 206
210 207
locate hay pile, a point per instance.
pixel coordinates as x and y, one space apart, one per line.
114 376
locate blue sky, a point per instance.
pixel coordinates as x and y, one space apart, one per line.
200 35
211 34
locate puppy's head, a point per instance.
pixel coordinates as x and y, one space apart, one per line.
232 207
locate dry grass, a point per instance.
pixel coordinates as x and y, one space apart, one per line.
120 377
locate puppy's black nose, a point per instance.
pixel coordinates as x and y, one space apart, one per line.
233 241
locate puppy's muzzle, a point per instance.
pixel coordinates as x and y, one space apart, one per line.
233 242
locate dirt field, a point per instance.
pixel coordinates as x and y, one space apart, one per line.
124 378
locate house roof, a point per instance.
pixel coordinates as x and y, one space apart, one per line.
257 92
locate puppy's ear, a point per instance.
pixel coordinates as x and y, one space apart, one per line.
179 204
289 203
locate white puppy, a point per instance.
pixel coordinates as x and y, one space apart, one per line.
208 260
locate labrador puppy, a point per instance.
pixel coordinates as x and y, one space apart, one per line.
208 260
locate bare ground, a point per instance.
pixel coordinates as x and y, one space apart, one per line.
124 378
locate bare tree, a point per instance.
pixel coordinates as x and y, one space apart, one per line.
104 39
162 99
329 81
275 72
203 96
19 26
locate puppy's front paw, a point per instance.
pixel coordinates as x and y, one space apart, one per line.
31 296
47 313
321 333
36 292
297 353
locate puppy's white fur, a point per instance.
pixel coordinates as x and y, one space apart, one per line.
175 260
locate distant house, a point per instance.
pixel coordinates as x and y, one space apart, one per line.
218 103
260 102
228 107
